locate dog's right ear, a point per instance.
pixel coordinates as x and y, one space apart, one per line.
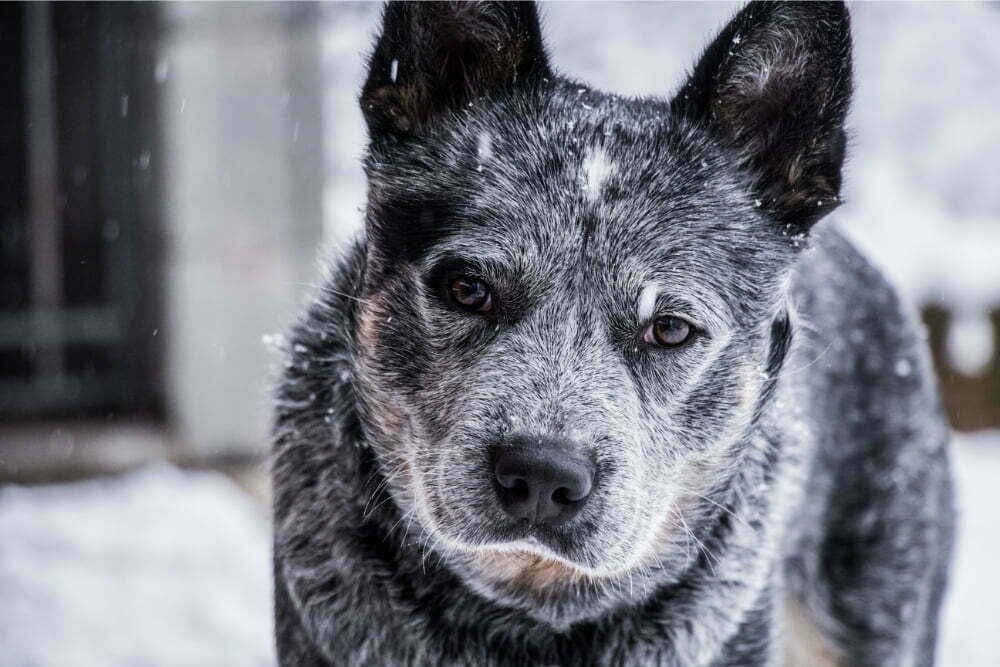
436 57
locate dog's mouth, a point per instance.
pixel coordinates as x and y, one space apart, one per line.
573 550
562 542
566 544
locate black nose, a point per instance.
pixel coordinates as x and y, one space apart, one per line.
541 484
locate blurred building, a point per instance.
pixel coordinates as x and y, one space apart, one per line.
161 208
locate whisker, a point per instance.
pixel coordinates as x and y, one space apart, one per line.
819 356
701 545
721 507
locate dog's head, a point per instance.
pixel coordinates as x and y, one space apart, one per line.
574 303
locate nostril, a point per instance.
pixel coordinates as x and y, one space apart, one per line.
561 496
508 481
515 489
576 491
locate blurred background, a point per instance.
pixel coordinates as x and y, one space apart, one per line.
172 175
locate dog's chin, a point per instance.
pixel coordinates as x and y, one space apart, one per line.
531 558
526 568
556 581
551 589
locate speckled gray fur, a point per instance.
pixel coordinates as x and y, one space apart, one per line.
793 450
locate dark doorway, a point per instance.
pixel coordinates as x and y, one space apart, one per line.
79 191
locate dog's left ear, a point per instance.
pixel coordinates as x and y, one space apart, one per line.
775 87
437 57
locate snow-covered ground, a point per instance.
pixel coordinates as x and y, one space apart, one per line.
164 567
158 567
972 610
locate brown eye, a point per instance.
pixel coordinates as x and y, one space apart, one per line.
668 331
471 294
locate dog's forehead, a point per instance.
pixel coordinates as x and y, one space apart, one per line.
592 191
616 183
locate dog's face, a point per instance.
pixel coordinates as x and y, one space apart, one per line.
574 303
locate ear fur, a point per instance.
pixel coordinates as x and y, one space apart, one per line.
434 57
775 86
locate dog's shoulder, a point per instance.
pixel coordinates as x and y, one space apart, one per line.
852 315
862 367
861 356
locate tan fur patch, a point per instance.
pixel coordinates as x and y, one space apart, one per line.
389 422
528 572
666 536
368 315
805 643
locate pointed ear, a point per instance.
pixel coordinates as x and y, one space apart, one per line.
775 86
433 57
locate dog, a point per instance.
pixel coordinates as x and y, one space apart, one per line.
595 387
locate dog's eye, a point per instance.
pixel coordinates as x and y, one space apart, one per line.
668 331
471 294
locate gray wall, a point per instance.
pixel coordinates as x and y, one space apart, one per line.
243 196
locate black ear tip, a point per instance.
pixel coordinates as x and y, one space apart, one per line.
431 57
825 16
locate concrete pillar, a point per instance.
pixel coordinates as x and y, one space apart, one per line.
243 208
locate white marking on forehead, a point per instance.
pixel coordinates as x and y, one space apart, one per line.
484 149
596 169
647 301
393 70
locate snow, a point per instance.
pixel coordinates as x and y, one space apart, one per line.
158 567
971 623
162 71
927 135
970 342
166 567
